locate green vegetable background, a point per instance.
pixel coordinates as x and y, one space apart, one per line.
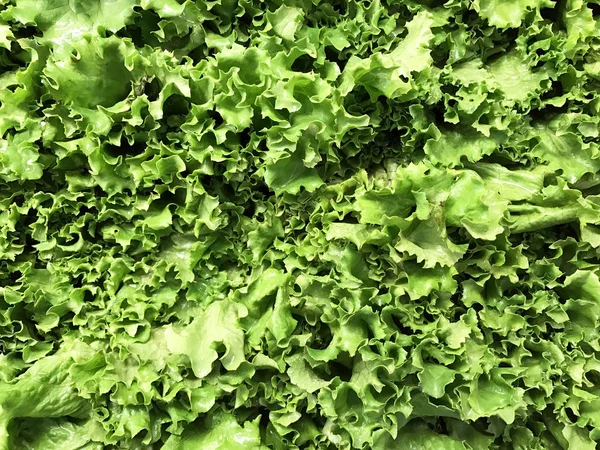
299 224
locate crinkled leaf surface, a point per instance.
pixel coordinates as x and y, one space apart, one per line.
312 225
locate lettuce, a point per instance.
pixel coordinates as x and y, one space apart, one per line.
299 225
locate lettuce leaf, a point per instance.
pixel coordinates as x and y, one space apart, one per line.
299 225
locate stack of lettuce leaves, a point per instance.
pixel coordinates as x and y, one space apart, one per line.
299 224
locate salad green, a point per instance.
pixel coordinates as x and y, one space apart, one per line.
300 224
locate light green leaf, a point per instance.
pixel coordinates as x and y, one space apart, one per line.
64 21
286 21
220 431
567 154
303 376
451 147
199 341
290 175
94 72
434 379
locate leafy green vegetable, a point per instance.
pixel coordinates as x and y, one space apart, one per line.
250 224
